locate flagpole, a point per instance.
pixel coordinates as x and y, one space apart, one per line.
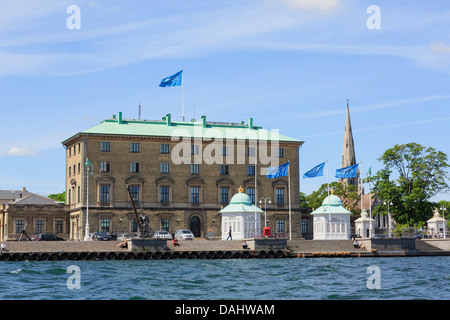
329 213
182 91
289 190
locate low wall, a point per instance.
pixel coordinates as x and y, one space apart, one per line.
138 244
272 244
390 244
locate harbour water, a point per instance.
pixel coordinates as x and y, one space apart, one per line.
247 279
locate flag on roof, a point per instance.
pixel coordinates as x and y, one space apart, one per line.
173 80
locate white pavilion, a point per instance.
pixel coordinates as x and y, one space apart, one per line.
437 225
240 215
331 220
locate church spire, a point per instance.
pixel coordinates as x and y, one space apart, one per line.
348 153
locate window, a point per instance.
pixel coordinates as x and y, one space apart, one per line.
250 170
194 149
104 192
164 194
105 146
251 194
164 148
20 224
280 226
70 197
165 223
133 225
224 169
304 226
224 194
134 190
195 195
70 171
280 152
79 167
39 226
134 167
280 195
195 169
59 226
135 147
164 167
104 224
78 195
105 166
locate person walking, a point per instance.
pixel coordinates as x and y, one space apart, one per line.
3 246
229 234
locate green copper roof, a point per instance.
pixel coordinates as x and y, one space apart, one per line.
199 129
335 204
239 203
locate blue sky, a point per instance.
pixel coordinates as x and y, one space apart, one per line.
289 64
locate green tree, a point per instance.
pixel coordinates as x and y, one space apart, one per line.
421 174
58 196
348 194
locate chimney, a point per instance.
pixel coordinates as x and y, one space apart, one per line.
204 121
250 123
120 117
24 189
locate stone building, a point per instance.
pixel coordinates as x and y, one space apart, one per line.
21 209
180 174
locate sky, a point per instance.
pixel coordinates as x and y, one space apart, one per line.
290 65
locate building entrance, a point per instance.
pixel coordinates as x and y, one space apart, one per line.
195 226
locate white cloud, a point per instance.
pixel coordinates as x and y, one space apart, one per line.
440 47
21 152
321 5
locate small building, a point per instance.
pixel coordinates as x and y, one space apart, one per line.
362 224
331 220
437 226
240 215
32 212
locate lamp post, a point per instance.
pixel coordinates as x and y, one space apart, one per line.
443 221
265 211
389 203
89 170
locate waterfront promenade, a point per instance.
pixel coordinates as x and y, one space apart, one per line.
202 248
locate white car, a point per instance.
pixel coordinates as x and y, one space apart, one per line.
123 236
162 234
184 235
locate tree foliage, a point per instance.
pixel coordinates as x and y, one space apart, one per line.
421 174
58 196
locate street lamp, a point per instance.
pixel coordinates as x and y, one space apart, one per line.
265 212
389 203
443 221
89 170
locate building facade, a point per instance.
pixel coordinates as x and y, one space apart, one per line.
23 210
180 174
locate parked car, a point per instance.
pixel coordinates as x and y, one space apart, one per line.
379 235
355 235
101 235
184 234
123 236
162 234
46 237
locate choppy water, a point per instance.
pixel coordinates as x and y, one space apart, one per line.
249 279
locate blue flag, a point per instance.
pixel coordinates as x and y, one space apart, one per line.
172 81
347 172
317 171
280 171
